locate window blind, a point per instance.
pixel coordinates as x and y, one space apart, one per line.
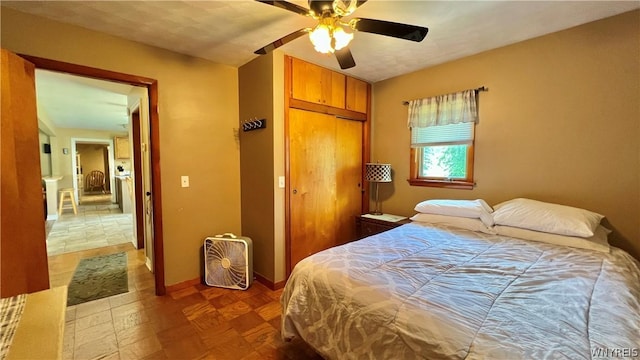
452 134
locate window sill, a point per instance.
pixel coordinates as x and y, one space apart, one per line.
442 183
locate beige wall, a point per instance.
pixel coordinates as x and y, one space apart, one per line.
256 161
560 123
198 104
261 84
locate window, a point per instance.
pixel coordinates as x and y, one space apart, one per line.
442 135
443 155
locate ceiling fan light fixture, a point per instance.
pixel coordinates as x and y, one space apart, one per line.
341 37
328 37
321 39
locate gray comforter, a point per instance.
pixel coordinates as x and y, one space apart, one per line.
423 292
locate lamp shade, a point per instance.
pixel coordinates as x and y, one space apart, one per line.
378 172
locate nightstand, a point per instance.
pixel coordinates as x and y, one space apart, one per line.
367 225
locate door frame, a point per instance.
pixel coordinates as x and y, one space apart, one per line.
137 177
154 122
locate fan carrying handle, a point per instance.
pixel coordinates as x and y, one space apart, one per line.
227 235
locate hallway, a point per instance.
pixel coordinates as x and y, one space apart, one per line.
94 226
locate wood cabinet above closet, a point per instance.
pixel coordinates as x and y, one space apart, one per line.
318 85
356 95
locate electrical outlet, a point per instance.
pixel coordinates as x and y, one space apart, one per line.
184 180
281 182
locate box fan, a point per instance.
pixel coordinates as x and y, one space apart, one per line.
228 261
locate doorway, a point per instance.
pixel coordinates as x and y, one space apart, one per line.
151 105
93 164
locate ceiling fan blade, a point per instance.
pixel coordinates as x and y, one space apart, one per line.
283 40
345 59
287 6
388 28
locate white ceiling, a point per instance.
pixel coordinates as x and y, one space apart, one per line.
228 32
82 103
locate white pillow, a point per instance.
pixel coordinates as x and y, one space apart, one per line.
597 242
455 221
546 217
477 209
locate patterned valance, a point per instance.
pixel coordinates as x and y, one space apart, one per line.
440 110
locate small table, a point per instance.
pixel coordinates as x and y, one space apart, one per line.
368 224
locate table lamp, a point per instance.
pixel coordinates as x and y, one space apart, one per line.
377 173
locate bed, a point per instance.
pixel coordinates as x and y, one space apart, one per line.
432 291
33 325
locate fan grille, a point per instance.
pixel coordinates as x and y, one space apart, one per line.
226 263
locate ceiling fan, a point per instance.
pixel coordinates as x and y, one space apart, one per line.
329 36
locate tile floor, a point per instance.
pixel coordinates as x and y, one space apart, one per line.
197 322
95 225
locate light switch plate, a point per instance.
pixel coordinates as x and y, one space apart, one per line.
281 182
184 180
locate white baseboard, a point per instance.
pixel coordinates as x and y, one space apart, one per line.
148 264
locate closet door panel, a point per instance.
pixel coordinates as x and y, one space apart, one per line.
312 147
349 178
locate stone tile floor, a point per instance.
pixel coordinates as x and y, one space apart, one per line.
96 225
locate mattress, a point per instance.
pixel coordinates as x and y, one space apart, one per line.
429 292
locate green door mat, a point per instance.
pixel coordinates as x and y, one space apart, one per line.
98 277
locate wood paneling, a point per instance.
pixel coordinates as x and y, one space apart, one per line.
326 147
317 85
348 158
326 181
333 84
325 109
23 252
313 182
357 95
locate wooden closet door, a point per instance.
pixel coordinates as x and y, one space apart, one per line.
312 173
349 178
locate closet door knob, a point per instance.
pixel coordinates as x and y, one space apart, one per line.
295 191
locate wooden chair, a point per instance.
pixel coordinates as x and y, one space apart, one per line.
95 180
